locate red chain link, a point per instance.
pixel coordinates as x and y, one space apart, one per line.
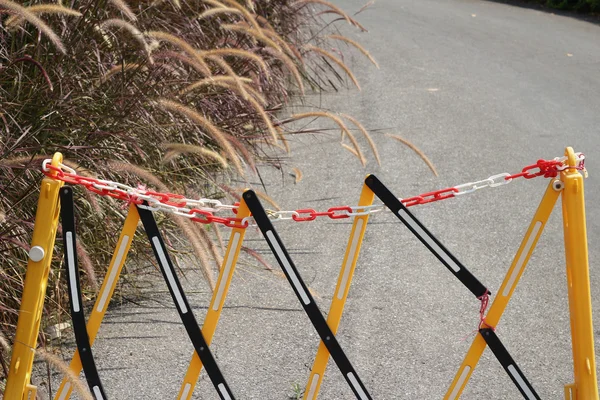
545 168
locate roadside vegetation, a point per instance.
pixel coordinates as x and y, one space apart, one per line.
182 96
583 6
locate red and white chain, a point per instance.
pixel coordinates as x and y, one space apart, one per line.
204 210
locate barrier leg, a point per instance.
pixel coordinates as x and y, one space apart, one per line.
82 339
423 234
578 282
509 365
506 290
308 303
18 384
341 293
106 291
181 304
215 307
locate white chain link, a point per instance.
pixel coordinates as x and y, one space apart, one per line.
214 206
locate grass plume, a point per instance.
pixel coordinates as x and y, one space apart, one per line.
35 21
124 8
126 26
59 364
219 11
340 123
357 45
215 133
175 149
242 54
16 20
336 60
416 150
183 45
364 132
331 6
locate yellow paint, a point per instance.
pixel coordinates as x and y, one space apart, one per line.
341 293
105 294
578 283
506 290
18 384
234 246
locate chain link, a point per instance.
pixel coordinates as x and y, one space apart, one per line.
203 210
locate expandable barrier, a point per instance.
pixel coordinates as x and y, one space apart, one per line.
55 199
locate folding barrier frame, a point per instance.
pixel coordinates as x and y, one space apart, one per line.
570 185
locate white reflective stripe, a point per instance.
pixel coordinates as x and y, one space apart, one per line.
521 382
113 274
461 380
223 391
170 278
63 394
72 272
186 391
313 387
519 266
97 393
359 390
226 270
350 259
436 248
288 268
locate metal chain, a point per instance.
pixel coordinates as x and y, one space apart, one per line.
204 210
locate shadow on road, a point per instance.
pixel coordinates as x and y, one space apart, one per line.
593 18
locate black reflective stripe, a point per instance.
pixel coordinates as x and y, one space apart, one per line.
303 294
430 241
82 339
183 308
508 364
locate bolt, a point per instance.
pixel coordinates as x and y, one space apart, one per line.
36 254
557 185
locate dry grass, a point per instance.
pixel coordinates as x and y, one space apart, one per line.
16 20
108 81
215 133
365 133
30 17
345 132
133 31
79 387
176 149
336 60
416 150
183 45
356 45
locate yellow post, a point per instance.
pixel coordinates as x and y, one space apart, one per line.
106 291
341 293
507 289
215 307
578 281
18 384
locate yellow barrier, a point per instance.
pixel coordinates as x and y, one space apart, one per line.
578 282
342 289
18 384
106 291
569 185
216 304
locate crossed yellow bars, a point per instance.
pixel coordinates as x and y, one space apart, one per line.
341 293
585 386
112 276
570 186
18 384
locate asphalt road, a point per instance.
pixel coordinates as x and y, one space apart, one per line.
482 88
